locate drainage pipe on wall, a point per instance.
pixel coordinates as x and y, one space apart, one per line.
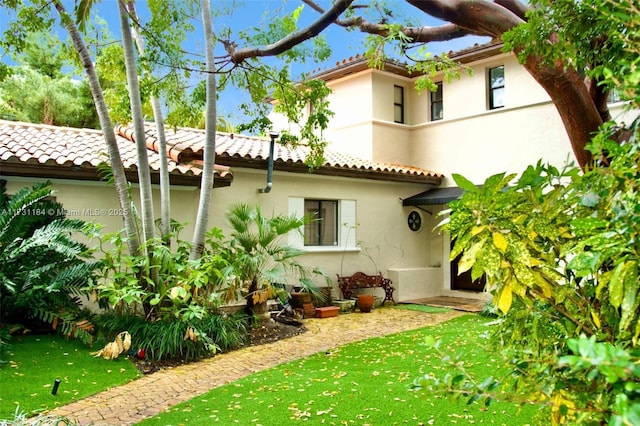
267 189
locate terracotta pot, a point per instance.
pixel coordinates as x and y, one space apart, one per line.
365 302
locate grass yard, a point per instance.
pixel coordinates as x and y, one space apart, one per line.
36 361
422 308
363 383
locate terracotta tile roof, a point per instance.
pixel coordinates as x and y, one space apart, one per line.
253 152
360 63
72 149
50 151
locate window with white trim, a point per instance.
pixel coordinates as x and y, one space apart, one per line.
398 104
496 87
436 103
333 223
322 229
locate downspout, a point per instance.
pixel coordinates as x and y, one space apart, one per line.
267 189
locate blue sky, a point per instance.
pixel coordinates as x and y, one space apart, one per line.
248 14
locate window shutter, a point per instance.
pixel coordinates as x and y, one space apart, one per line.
296 207
348 223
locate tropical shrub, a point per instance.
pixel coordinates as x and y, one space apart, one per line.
177 338
177 317
257 257
43 269
185 288
560 252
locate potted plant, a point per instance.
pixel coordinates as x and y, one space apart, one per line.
365 302
257 258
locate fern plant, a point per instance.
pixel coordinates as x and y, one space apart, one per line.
43 269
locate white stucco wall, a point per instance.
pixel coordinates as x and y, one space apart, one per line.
384 239
502 140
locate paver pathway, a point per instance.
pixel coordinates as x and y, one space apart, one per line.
151 394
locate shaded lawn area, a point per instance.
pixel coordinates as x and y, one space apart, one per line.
34 363
362 383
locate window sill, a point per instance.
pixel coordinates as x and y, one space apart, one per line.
330 249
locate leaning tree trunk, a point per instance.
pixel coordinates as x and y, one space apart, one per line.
206 186
566 88
119 176
571 97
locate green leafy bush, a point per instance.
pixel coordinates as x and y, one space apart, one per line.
560 252
178 338
561 248
184 289
43 269
177 318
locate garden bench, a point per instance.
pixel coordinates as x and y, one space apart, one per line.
348 284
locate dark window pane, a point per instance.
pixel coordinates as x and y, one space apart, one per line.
496 87
436 111
398 94
323 229
397 114
437 104
437 95
398 104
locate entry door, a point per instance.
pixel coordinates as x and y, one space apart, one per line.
463 281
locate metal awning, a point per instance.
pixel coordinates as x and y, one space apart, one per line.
434 196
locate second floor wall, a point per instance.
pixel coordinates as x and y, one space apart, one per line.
496 119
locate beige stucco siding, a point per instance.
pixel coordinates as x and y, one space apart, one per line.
493 142
384 240
351 102
469 95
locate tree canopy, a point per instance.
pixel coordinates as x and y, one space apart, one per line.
36 90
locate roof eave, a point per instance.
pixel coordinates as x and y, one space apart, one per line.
90 173
299 167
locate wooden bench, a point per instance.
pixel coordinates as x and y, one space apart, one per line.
348 284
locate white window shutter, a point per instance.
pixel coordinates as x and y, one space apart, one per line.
348 223
296 207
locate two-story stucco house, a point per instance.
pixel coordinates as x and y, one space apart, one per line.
494 119
387 172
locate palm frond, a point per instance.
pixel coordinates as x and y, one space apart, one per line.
66 323
54 236
16 210
73 278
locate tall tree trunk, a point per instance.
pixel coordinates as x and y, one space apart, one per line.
144 173
165 193
119 176
206 186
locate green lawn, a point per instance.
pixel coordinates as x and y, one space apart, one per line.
362 383
36 361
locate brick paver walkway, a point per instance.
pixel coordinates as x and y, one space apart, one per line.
151 394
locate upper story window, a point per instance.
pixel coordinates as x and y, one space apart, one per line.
322 230
398 104
496 87
613 96
436 103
